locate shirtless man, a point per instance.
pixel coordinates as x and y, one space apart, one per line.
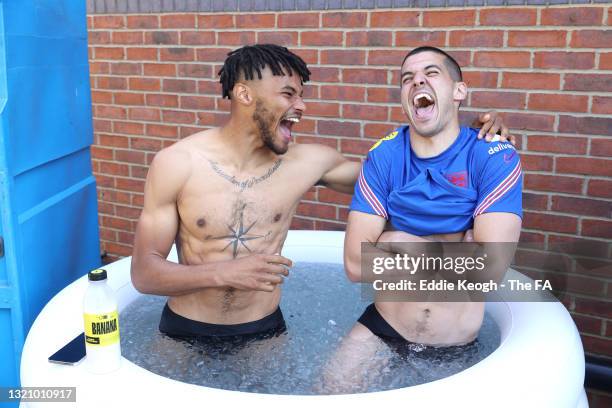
432 182
226 196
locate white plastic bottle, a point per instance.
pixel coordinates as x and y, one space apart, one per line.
101 325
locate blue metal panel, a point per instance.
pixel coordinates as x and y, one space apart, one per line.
48 204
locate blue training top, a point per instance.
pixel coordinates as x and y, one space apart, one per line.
441 194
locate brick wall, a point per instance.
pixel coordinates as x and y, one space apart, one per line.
547 69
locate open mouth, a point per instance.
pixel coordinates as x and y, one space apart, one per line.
424 105
286 124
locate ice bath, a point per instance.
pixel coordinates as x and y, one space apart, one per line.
539 360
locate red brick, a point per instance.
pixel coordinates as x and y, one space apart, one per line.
605 60
536 38
316 210
125 238
491 100
582 206
343 57
97 67
531 240
255 21
309 56
581 165
185 131
520 80
235 37
178 21
101 97
449 18
126 68
108 22
338 128
209 87
142 22
330 196
395 18
111 112
111 83
162 37
598 345
355 146
128 128
98 37
365 112
138 172
114 168
552 144
476 38
197 102
127 37
531 201
601 147
501 59
559 102
298 20
577 246
197 38
160 69
130 156
588 82
533 162
549 222
564 60
589 125
343 93
386 57
597 228
129 98
101 153
212 54
284 38
145 143
420 38
529 121
144 84
148 114
161 131
212 119
388 95
329 226
343 19
169 101
595 267
176 54
179 117
328 38
146 54
180 85
324 74
572 16
365 76
107 234
216 21
323 109
554 183
594 307
114 53
600 188
377 130
299 223
591 39
500 17
602 104
369 39
480 79
113 141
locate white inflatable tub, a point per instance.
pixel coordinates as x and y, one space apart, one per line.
539 363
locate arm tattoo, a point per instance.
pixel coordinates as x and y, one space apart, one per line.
248 183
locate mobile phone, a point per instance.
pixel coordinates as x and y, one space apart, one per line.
72 353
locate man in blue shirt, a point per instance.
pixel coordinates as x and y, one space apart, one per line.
431 181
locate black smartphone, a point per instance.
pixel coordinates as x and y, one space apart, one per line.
71 353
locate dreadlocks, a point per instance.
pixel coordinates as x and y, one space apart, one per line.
253 58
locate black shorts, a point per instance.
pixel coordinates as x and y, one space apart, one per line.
372 319
175 325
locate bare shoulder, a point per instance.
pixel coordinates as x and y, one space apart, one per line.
314 153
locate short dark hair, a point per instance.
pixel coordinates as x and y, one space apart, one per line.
253 58
453 68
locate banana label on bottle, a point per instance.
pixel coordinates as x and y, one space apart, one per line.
102 329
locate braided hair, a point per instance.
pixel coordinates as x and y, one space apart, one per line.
254 58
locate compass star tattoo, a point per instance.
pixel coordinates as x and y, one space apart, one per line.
239 235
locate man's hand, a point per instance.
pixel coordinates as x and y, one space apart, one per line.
255 272
490 124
